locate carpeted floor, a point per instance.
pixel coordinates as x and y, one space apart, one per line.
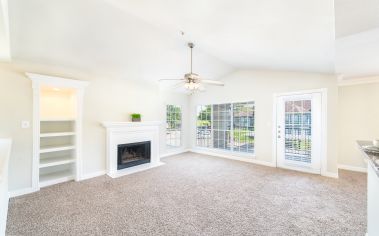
197 195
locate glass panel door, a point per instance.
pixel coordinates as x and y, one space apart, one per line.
299 132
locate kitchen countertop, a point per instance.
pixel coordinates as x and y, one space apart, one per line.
372 157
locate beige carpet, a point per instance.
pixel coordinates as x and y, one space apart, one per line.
197 195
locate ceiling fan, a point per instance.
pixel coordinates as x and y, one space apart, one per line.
193 81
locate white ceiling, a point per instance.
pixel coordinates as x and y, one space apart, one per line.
95 37
355 16
140 39
357 55
271 34
357 33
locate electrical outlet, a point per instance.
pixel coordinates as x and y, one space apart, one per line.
25 124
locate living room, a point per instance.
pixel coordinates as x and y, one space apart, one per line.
189 118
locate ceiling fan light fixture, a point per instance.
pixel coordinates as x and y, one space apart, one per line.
192 86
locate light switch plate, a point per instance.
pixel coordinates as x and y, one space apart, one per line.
25 124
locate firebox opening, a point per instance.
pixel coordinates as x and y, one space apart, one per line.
133 154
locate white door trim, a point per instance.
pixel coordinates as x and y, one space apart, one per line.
324 135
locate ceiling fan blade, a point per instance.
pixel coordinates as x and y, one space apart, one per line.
177 85
170 79
212 82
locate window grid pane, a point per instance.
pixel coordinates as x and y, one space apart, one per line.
173 126
298 137
203 126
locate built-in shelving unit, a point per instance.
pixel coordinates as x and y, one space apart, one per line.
57 109
56 177
56 161
57 143
56 134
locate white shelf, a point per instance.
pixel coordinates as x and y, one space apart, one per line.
57 120
56 148
55 178
55 161
56 134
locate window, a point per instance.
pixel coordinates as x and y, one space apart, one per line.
243 127
204 126
174 126
227 126
222 126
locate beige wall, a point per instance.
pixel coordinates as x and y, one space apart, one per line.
358 119
105 99
260 86
15 106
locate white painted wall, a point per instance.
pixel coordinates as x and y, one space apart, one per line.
106 99
358 119
259 86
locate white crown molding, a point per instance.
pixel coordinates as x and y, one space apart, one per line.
357 81
56 81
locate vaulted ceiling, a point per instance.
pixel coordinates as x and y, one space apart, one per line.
356 16
141 39
96 37
269 34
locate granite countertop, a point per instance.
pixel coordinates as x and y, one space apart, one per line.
372 157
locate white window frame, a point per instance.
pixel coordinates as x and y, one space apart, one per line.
231 151
181 126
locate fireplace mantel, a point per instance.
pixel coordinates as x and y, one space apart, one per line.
131 132
109 124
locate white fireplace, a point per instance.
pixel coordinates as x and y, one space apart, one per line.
123 133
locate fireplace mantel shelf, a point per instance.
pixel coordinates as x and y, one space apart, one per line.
110 124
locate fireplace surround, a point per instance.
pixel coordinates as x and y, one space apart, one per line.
128 134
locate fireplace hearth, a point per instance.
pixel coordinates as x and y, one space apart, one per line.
133 154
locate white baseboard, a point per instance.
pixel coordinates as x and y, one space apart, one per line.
19 192
330 174
94 174
173 153
236 158
353 168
